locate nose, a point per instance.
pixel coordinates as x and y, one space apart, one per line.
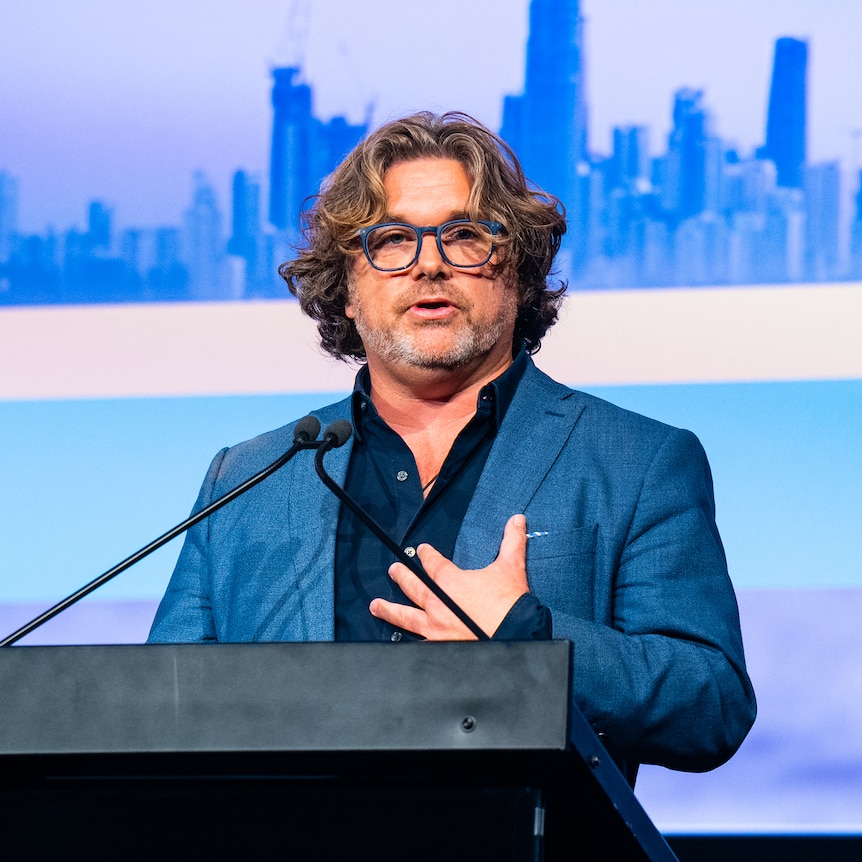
430 262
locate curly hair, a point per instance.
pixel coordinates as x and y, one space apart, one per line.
353 196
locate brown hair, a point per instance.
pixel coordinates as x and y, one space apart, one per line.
354 196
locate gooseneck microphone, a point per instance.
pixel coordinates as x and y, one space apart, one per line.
304 437
336 435
306 431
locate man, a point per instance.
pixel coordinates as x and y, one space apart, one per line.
427 255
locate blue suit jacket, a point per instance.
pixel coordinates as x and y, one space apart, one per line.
629 561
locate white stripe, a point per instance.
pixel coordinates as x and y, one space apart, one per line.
804 332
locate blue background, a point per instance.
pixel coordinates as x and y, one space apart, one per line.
121 103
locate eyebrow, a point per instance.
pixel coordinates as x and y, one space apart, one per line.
452 216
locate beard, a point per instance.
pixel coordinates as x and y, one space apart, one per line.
434 344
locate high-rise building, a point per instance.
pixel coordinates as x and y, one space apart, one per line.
168 278
856 233
547 124
203 245
304 149
99 228
245 215
289 166
630 165
684 184
822 186
8 214
252 272
786 116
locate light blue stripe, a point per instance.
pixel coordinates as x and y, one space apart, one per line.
85 483
787 466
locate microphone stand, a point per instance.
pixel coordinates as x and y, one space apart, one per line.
304 438
337 435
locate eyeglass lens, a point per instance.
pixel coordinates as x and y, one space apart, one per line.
394 246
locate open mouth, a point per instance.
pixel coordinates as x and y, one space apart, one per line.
433 309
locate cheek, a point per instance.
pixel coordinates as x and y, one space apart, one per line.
506 301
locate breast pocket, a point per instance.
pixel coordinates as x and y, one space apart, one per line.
560 568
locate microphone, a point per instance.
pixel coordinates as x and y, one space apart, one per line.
306 429
304 437
336 435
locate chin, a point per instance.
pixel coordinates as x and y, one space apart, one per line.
442 350
434 347
419 357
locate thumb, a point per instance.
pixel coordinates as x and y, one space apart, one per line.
513 548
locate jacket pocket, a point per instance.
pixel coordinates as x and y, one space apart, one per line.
547 543
560 569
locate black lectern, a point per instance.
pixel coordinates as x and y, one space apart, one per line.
309 752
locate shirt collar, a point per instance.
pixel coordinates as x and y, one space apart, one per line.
494 397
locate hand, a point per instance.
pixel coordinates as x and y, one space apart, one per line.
486 595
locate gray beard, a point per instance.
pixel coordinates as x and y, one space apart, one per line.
470 343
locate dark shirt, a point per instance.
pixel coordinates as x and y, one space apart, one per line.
384 479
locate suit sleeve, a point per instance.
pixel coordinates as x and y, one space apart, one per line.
665 682
185 613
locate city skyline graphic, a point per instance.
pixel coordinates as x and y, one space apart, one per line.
700 211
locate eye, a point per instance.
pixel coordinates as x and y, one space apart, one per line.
394 236
390 236
461 232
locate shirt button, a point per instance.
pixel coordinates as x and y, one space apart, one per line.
411 552
401 475
395 637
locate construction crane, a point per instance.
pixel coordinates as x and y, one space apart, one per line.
290 50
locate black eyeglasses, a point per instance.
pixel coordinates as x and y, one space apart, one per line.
395 246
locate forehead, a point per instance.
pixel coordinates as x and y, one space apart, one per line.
429 186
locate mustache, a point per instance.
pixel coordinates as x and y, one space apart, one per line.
410 297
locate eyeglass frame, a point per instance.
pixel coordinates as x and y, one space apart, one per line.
493 226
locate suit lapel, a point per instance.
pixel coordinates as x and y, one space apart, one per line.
312 518
537 425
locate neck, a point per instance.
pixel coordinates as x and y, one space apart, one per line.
428 410
421 400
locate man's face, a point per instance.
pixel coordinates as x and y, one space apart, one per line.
432 315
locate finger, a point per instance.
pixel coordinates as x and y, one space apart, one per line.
513 548
432 560
410 584
400 616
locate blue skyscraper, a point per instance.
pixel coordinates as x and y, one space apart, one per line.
684 186
785 120
8 214
304 149
99 228
289 166
856 233
202 242
245 216
629 163
547 124
822 186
